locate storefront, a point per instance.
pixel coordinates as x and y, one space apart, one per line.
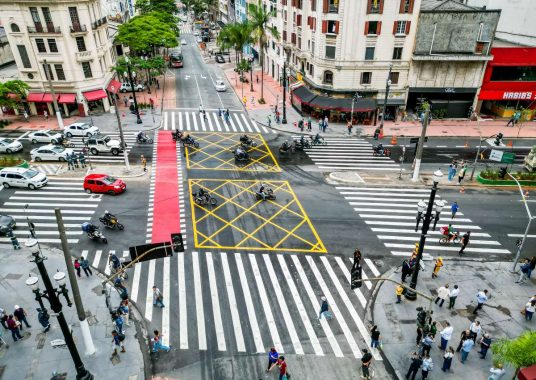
509 83
446 102
39 102
97 102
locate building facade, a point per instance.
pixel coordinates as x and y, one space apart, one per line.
6 55
66 43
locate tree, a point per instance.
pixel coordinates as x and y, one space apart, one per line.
259 19
143 33
10 88
519 352
150 67
148 6
236 36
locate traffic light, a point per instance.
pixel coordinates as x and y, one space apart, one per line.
176 242
502 172
356 277
498 139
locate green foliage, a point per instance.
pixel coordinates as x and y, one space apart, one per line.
518 352
155 65
10 160
235 36
147 6
144 32
493 174
17 87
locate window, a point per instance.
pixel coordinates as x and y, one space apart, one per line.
406 6
401 27
330 52
48 19
24 57
41 48
514 73
366 77
375 6
15 28
397 53
80 44
48 71
86 67
332 27
35 16
372 27
333 6
394 77
328 77
311 70
52 45
73 13
369 53
59 71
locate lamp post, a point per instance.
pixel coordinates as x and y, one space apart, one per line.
421 208
387 87
410 294
51 294
284 119
354 99
250 60
130 75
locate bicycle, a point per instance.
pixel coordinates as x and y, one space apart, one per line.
447 240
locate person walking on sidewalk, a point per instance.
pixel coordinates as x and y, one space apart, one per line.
77 267
466 334
13 326
426 344
399 291
158 297
273 355
118 323
512 121
415 364
85 266
324 309
454 209
481 298
349 127
124 311
375 337
125 100
21 314
282 368
45 115
143 163
157 343
453 295
452 170
406 270
437 266
467 346
523 271
366 361
446 334
3 318
474 330
465 240
530 308
442 294
117 341
420 333
496 372
309 124
461 174
447 359
485 343
43 318
326 121
427 366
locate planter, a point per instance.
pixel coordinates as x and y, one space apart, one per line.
23 164
500 182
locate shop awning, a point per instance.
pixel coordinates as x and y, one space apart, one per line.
95 95
344 104
67 98
35 97
47 98
113 86
304 94
394 102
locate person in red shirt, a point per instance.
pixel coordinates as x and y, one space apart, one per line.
282 367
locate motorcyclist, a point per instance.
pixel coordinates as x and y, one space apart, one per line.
92 229
202 194
142 137
240 153
261 192
380 149
284 147
245 140
114 260
108 217
318 139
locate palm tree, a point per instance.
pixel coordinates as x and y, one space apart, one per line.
236 36
259 18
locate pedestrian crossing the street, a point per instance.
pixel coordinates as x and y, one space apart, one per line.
273 300
193 121
348 154
38 207
391 215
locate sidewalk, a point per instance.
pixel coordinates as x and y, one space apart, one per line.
500 316
33 357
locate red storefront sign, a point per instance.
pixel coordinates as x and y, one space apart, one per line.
507 95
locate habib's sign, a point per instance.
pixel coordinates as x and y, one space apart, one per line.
524 95
507 95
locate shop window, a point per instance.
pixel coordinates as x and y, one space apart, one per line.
397 53
330 52
86 68
366 77
514 73
15 28
394 77
328 77
41 47
369 53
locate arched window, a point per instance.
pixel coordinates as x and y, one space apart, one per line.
328 77
15 28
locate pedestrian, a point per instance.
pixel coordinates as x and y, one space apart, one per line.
433 329
442 294
309 124
415 364
157 85
324 308
43 318
125 100
466 334
77 267
200 109
320 125
420 333
437 266
25 115
474 330
74 157
82 159
446 334
45 114
282 368
143 163
117 341
69 162
219 112
124 311
300 125
158 298
496 372
453 295
467 346
447 359
406 270
349 127
273 355
257 76
465 240
85 266
530 308
269 121
325 123
426 344
523 271
3 318
366 360
376 133
131 102
427 366
481 298
399 291
151 103
454 209
245 100
21 314
375 337
357 259
13 326
452 170
485 343
532 266
204 115
118 323
157 343
461 174
511 121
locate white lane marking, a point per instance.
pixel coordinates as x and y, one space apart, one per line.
149 297
166 121
368 167
407 231
45 198
180 121
209 121
357 291
183 318
412 238
199 302
237 119
22 136
107 270
218 324
187 119
39 204
172 121
96 259
233 305
136 282
166 291
440 248
373 268
382 189
249 304
521 235
232 123
194 118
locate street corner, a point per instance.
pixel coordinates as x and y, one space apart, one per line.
238 219
215 152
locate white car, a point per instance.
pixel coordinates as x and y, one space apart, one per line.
45 136
22 177
183 42
51 153
81 129
220 85
125 86
196 33
9 145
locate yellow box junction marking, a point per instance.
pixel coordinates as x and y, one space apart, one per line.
215 153
241 218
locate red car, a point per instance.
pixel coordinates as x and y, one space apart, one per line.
103 183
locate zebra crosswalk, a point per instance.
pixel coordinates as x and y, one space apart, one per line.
272 300
107 158
391 215
38 207
49 169
193 121
185 28
348 154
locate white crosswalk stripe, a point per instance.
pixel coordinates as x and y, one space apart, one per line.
49 169
38 206
185 29
348 154
194 121
108 158
390 213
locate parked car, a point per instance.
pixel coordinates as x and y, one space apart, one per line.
220 85
51 153
45 136
9 145
81 129
7 222
219 58
125 86
98 144
183 42
103 183
22 177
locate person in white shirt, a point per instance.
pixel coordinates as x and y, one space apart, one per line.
442 294
453 295
446 334
475 329
496 373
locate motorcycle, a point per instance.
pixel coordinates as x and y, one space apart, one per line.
241 157
448 240
97 235
287 149
376 152
301 144
204 199
190 142
143 140
66 143
246 142
318 141
112 223
177 135
269 193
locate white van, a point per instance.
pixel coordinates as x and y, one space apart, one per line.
22 177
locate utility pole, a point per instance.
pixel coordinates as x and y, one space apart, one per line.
123 144
54 100
418 156
387 87
84 326
284 120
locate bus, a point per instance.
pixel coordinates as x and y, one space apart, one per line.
175 59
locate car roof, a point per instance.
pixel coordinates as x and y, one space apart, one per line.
14 170
76 124
96 175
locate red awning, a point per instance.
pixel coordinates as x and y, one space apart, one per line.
114 86
95 95
47 98
67 98
35 97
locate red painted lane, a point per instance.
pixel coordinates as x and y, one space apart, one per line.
166 218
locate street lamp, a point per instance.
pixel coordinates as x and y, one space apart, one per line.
387 87
421 208
250 60
130 75
354 99
438 175
51 294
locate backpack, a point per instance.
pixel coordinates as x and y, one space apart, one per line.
121 337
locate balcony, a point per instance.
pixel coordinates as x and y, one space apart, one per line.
99 22
77 28
40 29
82 56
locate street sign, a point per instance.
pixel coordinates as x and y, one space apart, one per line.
508 157
496 155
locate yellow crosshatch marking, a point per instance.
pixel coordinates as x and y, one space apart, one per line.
240 221
215 153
